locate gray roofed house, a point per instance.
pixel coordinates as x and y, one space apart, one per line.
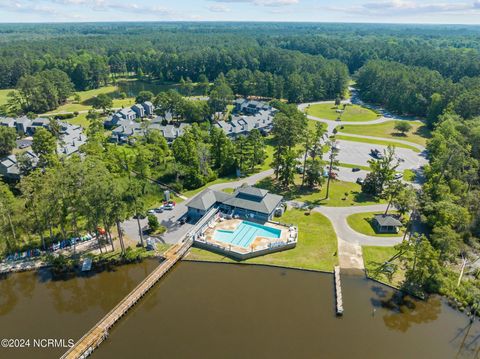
9 166
246 201
148 107
127 114
7 122
207 199
251 106
72 138
22 124
139 110
386 223
242 125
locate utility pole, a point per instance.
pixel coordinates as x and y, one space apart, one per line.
333 152
464 263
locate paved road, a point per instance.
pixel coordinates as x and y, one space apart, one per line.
338 217
358 153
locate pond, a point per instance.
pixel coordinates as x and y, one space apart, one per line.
205 310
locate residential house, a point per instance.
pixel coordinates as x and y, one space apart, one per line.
250 107
7 122
9 168
22 125
148 108
139 110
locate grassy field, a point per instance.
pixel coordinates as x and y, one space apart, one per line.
352 113
80 120
362 223
342 194
373 257
316 248
419 133
85 100
3 96
375 142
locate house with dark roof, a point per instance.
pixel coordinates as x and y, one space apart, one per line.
250 107
386 224
148 108
247 201
9 168
139 110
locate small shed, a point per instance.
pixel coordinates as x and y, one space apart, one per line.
386 224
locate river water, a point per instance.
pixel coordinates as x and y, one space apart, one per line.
202 310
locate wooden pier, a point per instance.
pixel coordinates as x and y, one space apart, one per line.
338 291
95 336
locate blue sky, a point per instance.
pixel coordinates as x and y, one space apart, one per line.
392 11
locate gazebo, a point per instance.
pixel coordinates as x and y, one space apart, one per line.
386 223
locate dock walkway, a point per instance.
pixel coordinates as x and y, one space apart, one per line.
338 291
95 336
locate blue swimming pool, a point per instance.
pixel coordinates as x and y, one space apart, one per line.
245 234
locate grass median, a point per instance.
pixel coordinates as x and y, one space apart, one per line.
419 133
376 142
351 113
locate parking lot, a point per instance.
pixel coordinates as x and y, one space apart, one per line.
358 153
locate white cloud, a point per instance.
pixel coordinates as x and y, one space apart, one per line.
406 7
218 8
263 2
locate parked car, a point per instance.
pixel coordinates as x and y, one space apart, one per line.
150 244
159 210
140 216
151 211
398 176
183 220
360 181
374 152
169 206
355 169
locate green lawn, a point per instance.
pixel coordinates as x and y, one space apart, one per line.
85 100
193 192
4 96
348 165
409 175
342 194
361 222
316 248
374 257
375 142
419 133
352 113
80 120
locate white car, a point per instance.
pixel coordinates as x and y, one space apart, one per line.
398 176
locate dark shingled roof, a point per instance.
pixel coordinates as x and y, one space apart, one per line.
247 197
207 199
252 191
387 220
